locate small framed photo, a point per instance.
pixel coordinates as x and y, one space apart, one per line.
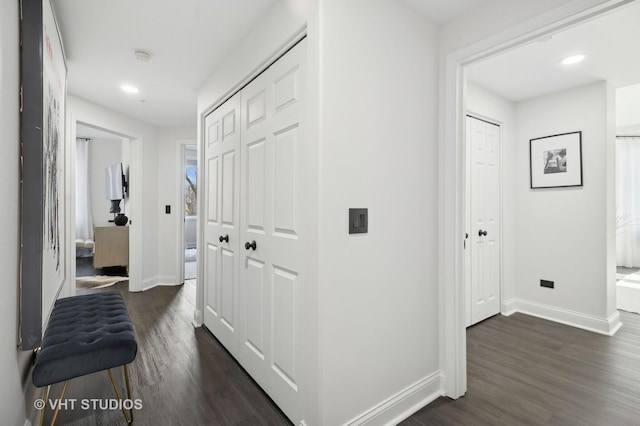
556 161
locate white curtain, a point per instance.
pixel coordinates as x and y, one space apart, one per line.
628 201
84 221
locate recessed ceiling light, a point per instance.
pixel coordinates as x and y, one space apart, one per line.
570 60
129 89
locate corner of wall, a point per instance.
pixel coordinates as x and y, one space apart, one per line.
403 404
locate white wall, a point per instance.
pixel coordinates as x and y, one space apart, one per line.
102 154
14 364
561 232
379 151
170 183
490 106
627 107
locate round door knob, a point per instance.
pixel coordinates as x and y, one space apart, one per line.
225 238
251 245
481 233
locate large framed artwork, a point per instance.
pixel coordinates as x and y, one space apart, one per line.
556 161
43 81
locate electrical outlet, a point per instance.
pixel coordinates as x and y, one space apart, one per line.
547 284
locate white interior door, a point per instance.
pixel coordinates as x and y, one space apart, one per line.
273 203
221 223
484 229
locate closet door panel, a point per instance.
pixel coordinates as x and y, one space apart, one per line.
274 167
221 230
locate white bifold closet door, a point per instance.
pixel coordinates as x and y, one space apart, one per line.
484 279
222 222
256 164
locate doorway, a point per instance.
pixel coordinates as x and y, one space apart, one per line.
101 202
627 198
131 151
190 210
453 209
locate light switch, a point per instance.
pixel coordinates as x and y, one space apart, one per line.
358 221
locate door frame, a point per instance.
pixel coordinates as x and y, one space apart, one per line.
452 172
134 206
181 156
468 195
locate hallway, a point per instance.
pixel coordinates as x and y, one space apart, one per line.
182 375
522 370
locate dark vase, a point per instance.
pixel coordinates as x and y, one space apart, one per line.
121 219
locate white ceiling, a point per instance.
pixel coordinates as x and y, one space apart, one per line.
188 38
441 11
610 43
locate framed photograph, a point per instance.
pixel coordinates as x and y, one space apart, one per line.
556 161
43 75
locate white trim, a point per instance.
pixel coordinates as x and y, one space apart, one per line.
181 156
159 281
198 318
607 326
509 307
403 404
452 173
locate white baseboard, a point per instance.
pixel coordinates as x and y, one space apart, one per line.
509 307
160 280
198 320
403 404
608 326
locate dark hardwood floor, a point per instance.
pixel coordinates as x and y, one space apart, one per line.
522 371
182 375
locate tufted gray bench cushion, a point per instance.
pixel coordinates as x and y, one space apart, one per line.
85 334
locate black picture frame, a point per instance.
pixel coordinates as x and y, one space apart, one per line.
555 161
43 73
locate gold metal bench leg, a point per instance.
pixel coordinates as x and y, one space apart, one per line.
127 416
44 407
47 390
126 380
55 413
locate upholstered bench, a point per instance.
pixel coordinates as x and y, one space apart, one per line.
85 334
